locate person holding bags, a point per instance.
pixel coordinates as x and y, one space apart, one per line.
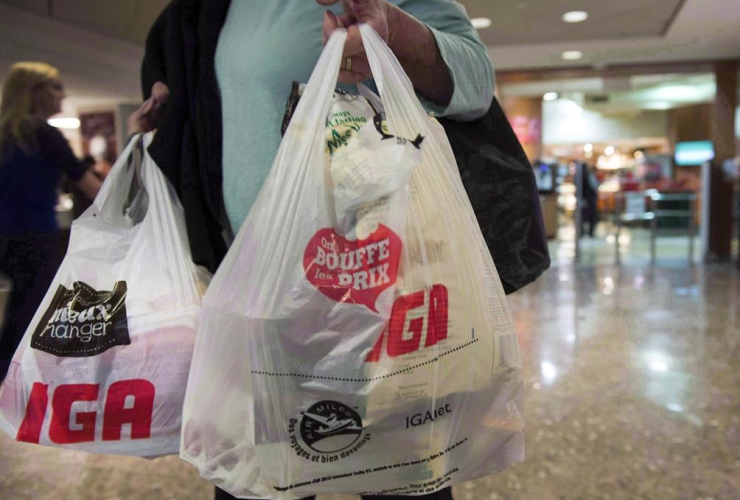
220 129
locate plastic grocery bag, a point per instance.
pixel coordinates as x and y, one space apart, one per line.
356 339
103 365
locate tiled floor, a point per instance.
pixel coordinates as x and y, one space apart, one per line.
632 380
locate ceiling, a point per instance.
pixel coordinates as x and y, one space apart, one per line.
697 30
98 44
516 22
127 20
524 33
98 70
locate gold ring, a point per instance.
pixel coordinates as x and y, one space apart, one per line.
348 64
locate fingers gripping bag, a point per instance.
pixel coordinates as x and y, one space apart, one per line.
356 339
103 365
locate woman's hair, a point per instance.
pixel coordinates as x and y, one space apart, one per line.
17 124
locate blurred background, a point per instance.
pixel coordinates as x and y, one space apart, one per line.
630 114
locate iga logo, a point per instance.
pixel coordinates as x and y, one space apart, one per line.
403 335
330 427
126 402
355 272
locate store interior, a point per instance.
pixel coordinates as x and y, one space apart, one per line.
640 137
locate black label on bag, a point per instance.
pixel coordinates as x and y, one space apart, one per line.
83 321
330 427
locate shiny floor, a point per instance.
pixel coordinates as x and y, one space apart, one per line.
632 380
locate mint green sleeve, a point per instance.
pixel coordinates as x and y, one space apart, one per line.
463 52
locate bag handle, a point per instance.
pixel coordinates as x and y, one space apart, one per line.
163 217
312 109
405 114
114 194
166 215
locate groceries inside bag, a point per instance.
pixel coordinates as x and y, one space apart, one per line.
356 339
103 365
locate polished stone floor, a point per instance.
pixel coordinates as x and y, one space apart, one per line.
632 380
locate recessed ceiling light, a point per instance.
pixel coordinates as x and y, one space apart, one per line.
657 105
572 55
68 123
609 150
550 96
576 16
677 92
480 23
658 366
588 148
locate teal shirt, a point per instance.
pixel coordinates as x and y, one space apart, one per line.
264 46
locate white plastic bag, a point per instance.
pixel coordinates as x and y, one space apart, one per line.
103 365
356 339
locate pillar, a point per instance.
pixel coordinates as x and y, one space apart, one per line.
721 188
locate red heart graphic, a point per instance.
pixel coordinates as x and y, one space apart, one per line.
354 272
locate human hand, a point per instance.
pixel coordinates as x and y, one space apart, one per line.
145 118
377 13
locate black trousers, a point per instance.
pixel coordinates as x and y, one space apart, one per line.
30 261
590 218
444 494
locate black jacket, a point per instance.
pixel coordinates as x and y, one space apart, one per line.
180 52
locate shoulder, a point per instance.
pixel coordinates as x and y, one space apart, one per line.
53 145
39 137
48 135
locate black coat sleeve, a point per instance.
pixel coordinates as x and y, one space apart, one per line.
180 50
153 67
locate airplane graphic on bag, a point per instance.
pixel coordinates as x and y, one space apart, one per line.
332 425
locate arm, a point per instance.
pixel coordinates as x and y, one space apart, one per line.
153 67
418 52
153 79
55 149
88 184
462 52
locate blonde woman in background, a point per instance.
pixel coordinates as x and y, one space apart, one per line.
33 157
